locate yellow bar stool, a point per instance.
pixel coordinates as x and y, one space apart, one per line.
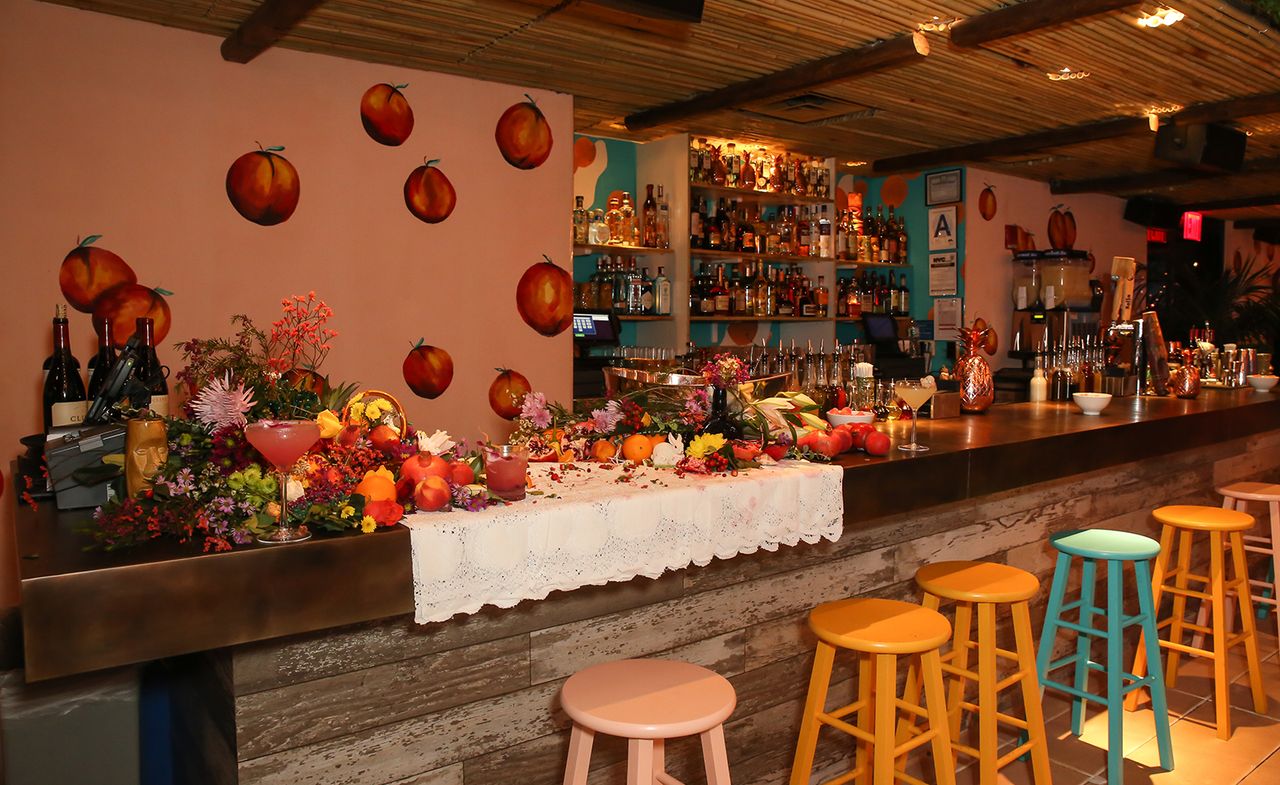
1234 497
986 588
647 702
878 631
1222 526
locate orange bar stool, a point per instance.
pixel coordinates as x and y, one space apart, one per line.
879 631
1222 526
1234 497
647 702
985 587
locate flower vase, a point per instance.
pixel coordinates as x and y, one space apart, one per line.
719 420
977 385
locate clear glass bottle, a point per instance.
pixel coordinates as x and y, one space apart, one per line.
614 222
731 165
648 231
646 293
747 173
581 223
664 220
661 294
629 226
821 297
825 247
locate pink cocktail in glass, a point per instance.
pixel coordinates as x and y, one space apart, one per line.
505 469
283 442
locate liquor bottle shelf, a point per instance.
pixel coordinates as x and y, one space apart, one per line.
763 319
589 250
627 317
858 319
757 197
885 265
748 256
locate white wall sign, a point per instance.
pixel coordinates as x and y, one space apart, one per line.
946 318
942 228
942 274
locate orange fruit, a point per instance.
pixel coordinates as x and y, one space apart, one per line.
376 488
603 450
657 438
637 447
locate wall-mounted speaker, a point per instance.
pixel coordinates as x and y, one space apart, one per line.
1146 211
1209 146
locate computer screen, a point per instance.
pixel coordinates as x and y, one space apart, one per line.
594 328
880 327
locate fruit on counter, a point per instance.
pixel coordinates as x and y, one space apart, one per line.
424 464
843 439
523 135
386 115
544 297
385 438
859 434
428 193
432 494
87 272
987 203
461 473
428 370
124 304
746 450
637 447
263 186
876 443
844 410
603 450
775 451
376 487
507 392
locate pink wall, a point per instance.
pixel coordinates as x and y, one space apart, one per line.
1028 203
1239 243
126 129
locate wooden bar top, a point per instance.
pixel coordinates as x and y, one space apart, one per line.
83 610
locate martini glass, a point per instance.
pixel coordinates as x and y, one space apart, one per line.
916 395
283 442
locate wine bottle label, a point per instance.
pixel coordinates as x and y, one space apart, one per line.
160 405
68 413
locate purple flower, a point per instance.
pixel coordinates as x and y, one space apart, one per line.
182 483
606 420
470 501
696 407
535 409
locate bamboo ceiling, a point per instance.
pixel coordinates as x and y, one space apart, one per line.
616 64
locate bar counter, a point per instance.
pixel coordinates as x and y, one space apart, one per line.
332 682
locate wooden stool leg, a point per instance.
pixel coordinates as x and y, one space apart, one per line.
1176 629
714 757
640 762
1084 643
886 694
1115 671
815 703
1031 705
988 699
659 757
1053 611
575 771
1202 617
866 717
1275 563
1245 602
943 759
911 688
1157 588
1159 702
1217 590
960 646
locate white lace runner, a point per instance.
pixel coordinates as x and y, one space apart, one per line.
588 529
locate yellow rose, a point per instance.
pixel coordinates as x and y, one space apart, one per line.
368 524
330 425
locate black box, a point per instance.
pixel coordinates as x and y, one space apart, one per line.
84 447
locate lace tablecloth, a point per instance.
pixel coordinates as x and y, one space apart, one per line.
587 528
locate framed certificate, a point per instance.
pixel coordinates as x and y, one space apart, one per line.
943 187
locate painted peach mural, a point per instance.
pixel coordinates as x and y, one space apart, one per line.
1062 228
544 297
428 193
507 392
88 271
386 114
428 370
524 135
123 305
263 186
987 204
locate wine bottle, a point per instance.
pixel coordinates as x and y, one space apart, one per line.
64 397
148 371
100 364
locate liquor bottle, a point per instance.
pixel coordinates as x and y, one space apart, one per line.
664 220
763 293
621 287
712 238
604 288
761 231
894 304
662 294
580 221
890 243
808 306
630 227
100 364
731 165
821 297
904 295
764 170
720 293
803 233
597 230
695 161
649 219
786 232
696 217
825 247
746 233
747 174
613 221
704 161
64 396
724 218
853 300
647 297
149 371
695 293
738 302
902 241
782 295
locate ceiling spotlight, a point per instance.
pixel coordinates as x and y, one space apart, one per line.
855 163
1163 17
1065 73
938 25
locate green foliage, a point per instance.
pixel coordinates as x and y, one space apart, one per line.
1269 7
1241 306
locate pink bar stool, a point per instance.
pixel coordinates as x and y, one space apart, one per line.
647 702
1234 497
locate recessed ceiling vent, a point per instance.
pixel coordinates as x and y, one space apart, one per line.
808 107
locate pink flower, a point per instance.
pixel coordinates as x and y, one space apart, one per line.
606 420
535 409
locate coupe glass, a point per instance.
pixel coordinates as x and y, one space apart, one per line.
283 442
915 394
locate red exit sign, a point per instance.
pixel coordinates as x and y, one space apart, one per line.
1155 235
1191 226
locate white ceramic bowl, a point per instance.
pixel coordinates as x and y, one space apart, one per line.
856 417
1262 383
1091 403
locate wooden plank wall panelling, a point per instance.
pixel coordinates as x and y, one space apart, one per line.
472 701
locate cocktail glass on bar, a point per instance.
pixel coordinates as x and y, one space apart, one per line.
915 394
505 468
283 442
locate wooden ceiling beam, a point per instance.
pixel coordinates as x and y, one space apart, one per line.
837 68
1263 200
1166 178
1257 223
1027 17
269 22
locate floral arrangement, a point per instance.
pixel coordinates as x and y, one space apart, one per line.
725 371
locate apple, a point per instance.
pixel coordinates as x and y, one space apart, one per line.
432 494
544 297
424 464
461 473
263 186
386 115
428 370
87 272
385 438
523 135
877 444
123 305
428 193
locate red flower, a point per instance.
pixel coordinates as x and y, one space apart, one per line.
386 513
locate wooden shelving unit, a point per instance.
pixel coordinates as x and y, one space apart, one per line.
639 250
642 318
743 257
763 319
882 265
756 197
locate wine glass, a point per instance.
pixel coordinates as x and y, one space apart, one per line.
283 442
916 394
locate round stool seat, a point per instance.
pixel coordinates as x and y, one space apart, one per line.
648 699
1200 518
1252 491
977 581
880 626
1105 544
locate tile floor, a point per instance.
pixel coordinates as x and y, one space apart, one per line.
1250 757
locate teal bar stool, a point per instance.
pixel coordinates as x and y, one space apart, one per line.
1115 548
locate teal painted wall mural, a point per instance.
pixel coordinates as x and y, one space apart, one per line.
600 168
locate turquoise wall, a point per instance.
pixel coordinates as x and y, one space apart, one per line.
619 174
